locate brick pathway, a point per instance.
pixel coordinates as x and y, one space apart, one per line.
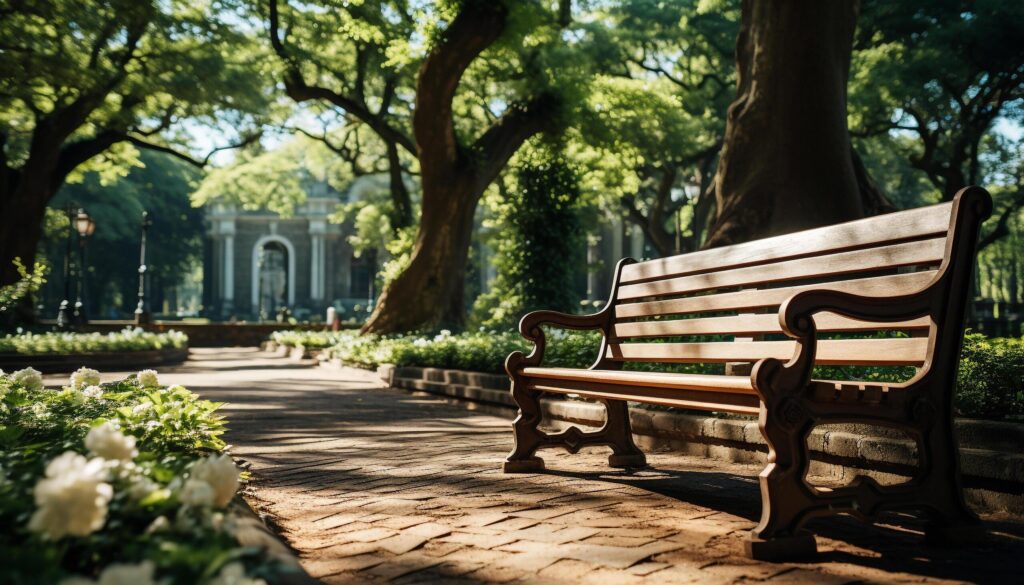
373 485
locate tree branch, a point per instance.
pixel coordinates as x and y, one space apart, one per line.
300 91
477 26
199 163
496 146
1002 228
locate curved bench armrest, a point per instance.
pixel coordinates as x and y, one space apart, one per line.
529 325
796 317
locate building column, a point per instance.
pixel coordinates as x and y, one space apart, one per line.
317 229
227 231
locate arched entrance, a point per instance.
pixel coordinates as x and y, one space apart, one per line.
273 275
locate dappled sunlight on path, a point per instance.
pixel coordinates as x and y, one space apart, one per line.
375 485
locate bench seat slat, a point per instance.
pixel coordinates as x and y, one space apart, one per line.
895 284
914 223
741 384
832 352
677 397
907 254
752 325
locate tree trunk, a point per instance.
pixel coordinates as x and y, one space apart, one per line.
429 293
401 203
787 164
23 210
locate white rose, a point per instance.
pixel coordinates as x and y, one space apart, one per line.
148 379
29 378
72 498
119 574
122 574
234 574
197 493
110 443
83 377
92 392
221 473
141 487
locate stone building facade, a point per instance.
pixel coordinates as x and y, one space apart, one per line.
258 261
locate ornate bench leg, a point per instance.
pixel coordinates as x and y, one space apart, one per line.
619 433
951 522
527 436
784 496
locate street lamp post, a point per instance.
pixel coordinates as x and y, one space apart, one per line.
64 312
85 226
142 314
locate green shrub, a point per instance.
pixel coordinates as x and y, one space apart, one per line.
990 383
129 473
308 339
130 339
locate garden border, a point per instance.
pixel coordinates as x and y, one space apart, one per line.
55 363
992 464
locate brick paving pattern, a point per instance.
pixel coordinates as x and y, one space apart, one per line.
372 485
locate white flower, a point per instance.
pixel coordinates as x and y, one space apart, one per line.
83 377
39 409
92 392
142 408
221 474
29 378
110 443
197 493
141 487
148 379
160 524
176 388
234 574
119 574
72 498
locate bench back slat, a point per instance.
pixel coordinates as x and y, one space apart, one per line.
921 252
895 284
834 352
870 232
763 324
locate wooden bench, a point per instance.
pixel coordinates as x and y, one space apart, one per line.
903 277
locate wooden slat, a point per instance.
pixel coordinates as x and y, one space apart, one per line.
896 284
907 254
914 223
679 398
831 352
741 384
752 325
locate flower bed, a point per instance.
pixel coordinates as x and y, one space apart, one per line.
308 339
129 339
990 382
124 482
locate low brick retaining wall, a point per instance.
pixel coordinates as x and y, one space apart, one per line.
992 453
107 360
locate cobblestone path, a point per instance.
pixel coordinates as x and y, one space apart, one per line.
372 485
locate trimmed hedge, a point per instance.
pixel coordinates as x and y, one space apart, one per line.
990 382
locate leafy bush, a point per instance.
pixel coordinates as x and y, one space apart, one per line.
307 339
130 339
119 480
990 382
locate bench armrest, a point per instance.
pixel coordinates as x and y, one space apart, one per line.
529 325
796 317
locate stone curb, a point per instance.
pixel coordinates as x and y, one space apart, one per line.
991 458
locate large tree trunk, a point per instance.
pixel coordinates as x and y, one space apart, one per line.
430 291
23 209
787 164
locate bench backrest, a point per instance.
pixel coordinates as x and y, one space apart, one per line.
736 291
